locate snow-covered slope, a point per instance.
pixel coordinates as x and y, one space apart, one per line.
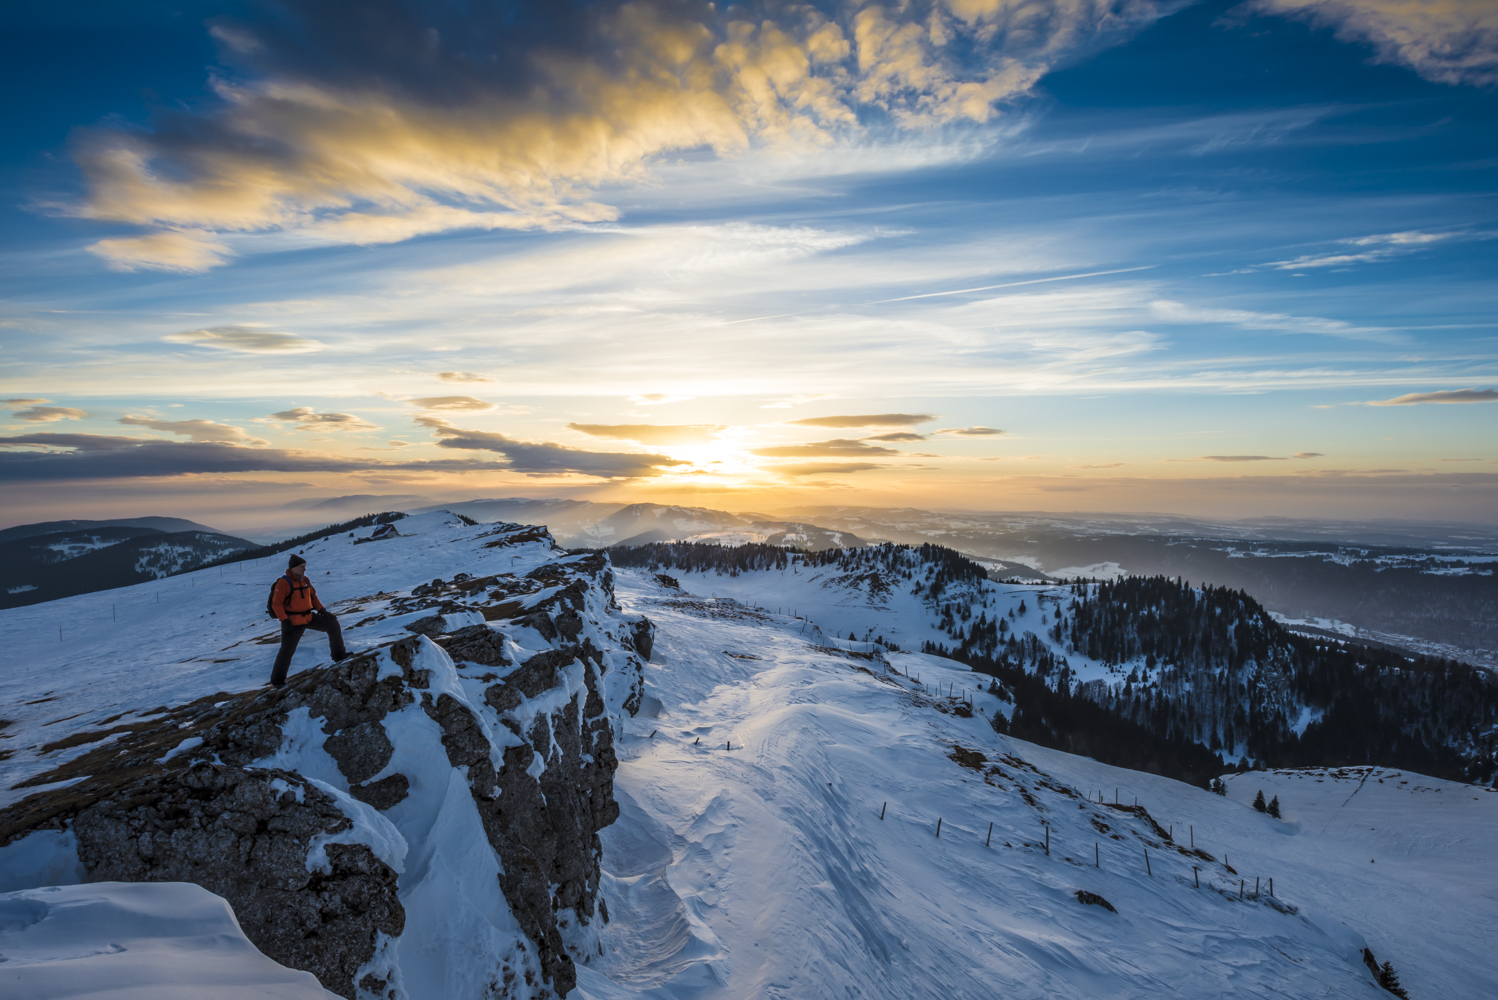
417 820
1205 668
800 815
109 657
172 941
805 861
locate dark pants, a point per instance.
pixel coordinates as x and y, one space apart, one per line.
322 621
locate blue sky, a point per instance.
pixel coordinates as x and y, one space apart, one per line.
1218 259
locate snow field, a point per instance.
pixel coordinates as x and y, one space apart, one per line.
766 871
127 651
126 941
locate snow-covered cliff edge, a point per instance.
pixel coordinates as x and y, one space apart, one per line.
420 817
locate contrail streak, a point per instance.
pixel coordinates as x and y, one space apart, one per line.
1012 284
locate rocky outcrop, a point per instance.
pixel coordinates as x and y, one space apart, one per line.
334 813
245 835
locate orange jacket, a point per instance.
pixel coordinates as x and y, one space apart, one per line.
294 601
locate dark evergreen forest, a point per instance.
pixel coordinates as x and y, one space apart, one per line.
1212 667
1196 672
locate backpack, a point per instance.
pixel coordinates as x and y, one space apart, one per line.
270 598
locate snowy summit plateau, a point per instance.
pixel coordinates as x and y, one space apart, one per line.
687 771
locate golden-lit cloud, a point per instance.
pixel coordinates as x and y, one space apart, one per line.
544 458
1308 454
897 436
33 412
1239 458
978 431
467 121
822 468
656 434
245 340
196 430
463 377
187 251
658 399
866 420
1441 396
1449 41
307 419
824 449
451 403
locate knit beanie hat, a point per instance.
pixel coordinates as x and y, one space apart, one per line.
295 562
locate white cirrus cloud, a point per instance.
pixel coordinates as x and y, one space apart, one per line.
1448 41
1168 311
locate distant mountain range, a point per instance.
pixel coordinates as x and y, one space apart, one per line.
42 562
1425 588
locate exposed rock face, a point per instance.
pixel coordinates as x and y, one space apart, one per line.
299 805
245 836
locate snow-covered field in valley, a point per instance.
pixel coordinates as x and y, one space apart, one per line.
801 816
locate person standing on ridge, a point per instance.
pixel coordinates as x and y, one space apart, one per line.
294 601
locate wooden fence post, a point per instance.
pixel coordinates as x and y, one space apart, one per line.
881 811
1097 857
989 839
1147 863
1048 840
938 826
1196 874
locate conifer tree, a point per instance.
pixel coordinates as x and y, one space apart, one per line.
1274 807
1259 802
1389 980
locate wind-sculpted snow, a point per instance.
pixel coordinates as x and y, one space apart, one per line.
420 819
781 792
